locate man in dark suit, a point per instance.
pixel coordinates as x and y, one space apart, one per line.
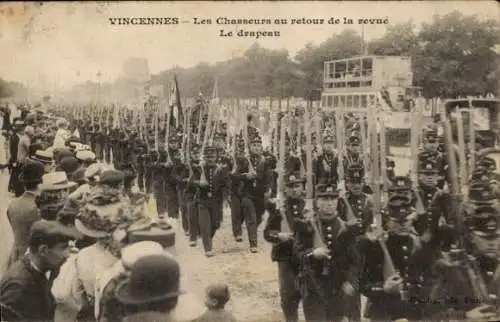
22 212
25 289
15 186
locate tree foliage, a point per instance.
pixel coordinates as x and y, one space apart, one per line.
451 56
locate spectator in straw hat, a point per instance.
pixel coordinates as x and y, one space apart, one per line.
22 212
54 190
104 217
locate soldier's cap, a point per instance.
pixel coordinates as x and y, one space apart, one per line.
220 135
400 183
111 177
399 207
484 222
46 229
210 150
354 141
328 137
355 172
56 181
294 178
256 139
32 172
481 192
43 156
326 191
487 162
481 173
219 292
427 165
69 164
85 155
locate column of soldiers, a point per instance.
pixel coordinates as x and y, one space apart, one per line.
410 256
427 253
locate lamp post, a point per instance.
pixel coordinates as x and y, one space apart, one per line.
99 74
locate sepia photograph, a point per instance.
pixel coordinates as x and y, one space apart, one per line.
250 161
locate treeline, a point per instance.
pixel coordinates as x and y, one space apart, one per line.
451 56
11 89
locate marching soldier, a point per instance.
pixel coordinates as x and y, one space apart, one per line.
276 233
432 204
326 163
468 288
243 184
328 264
392 277
210 183
158 171
356 207
172 176
194 171
261 188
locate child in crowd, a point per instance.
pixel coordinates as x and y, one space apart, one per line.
216 297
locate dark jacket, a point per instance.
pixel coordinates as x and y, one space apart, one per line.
25 294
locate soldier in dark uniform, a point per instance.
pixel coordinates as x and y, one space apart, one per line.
393 285
281 235
329 265
190 195
400 185
209 182
468 288
262 185
355 207
158 172
325 165
431 149
140 148
172 176
243 184
432 204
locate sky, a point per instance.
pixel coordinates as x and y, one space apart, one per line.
58 45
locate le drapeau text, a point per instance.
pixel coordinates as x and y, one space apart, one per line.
248 27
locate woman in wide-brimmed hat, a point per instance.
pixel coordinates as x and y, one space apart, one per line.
105 217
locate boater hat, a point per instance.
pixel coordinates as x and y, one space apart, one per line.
56 181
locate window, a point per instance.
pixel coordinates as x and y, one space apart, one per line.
356 101
363 101
340 69
339 85
349 101
353 84
329 101
366 84
335 101
367 67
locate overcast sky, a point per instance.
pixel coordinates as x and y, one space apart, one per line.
60 44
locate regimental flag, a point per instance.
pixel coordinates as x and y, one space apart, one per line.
174 99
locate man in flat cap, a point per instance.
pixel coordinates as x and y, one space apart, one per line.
25 289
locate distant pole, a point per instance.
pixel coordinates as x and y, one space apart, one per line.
99 74
364 47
